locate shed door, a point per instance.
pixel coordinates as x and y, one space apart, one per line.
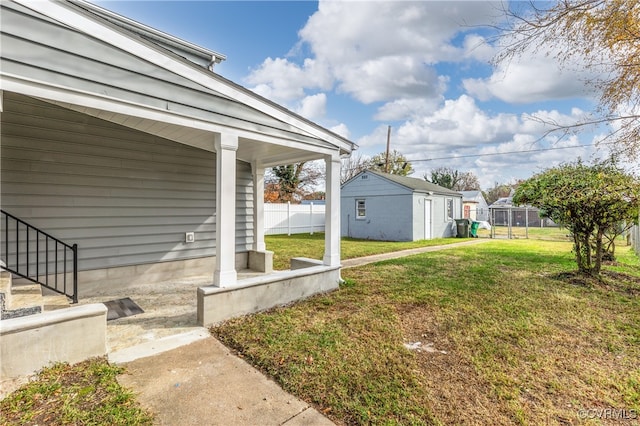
427 219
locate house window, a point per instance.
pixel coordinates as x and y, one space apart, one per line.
449 209
361 209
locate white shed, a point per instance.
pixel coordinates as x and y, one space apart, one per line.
380 206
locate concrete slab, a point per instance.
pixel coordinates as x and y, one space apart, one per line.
203 383
352 263
158 346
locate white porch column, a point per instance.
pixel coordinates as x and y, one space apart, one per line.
226 146
258 207
332 211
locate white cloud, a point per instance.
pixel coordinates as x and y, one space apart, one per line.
381 51
460 129
344 32
478 48
458 123
342 130
281 80
401 109
536 75
374 142
381 79
313 107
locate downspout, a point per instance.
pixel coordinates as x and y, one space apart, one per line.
214 60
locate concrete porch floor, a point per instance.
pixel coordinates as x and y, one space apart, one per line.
169 310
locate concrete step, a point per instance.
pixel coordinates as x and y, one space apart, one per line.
25 296
25 299
5 287
51 302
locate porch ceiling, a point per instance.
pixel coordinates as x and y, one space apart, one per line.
267 150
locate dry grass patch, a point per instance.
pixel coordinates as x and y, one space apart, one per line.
83 394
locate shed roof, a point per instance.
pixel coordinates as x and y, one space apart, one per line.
471 194
415 183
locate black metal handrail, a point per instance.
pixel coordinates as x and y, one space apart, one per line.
48 257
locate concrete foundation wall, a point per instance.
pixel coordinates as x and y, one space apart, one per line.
65 335
257 294
95 282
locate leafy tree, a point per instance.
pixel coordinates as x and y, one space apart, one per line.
353 165
468 182
602 36
398 163
315 195
291 182
589 200
454 179
271 193
499 190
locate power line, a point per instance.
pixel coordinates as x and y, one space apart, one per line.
502 153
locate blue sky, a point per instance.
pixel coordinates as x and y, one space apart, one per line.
422 68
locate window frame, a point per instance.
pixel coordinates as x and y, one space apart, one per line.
448 209
359 208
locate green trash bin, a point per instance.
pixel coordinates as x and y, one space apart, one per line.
462 228
474 229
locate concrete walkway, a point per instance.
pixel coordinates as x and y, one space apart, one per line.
203 383
190 378
359 261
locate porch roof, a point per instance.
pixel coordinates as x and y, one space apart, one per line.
83 57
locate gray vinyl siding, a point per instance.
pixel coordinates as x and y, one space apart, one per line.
55 54
388 218
388 210
125 197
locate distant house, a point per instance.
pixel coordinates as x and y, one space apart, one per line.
380 206
474 206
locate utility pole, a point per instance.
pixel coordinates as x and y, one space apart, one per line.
386 161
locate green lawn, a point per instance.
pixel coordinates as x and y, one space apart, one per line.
508 335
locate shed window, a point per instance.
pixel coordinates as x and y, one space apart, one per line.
449 209
361 209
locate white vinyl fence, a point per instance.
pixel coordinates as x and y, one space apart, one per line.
293 218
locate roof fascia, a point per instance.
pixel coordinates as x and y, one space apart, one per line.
152 33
